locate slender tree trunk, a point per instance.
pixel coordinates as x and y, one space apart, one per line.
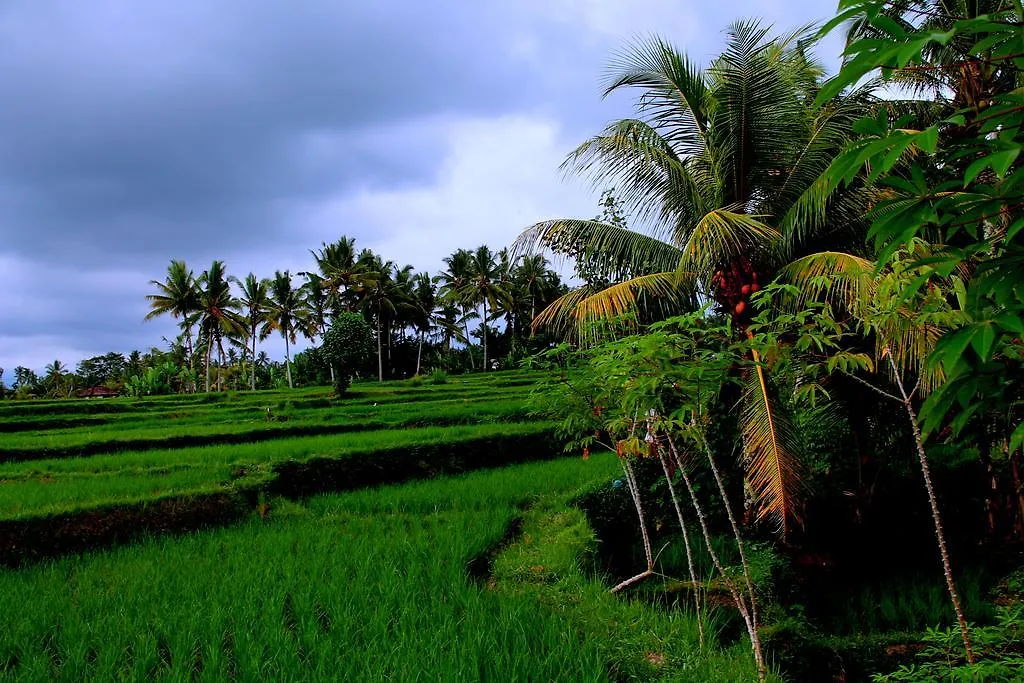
288 361
209 352
936 518
686 546
469 344
634 492
252 370
221 358
483 333
380 354
419 353
190 350
735 530
737 596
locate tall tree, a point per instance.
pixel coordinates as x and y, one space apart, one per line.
288 314
344 275
55 373
724 166
218 315
453 280
484 288
423 306
177 295
380 299
254 302
319 298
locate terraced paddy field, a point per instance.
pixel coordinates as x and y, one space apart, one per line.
267 537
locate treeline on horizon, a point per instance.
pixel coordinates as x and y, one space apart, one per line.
474 315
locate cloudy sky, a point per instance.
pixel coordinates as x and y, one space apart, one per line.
137 131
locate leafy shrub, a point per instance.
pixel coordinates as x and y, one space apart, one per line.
416 381
439 377
997 648
347 345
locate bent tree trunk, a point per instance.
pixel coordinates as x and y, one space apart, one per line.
940 535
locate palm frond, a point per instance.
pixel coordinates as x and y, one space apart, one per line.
722 235
625 251
674 90
586 315
830 277
770 446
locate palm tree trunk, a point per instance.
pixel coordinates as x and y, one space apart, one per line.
419 353
252 372
288 361
380 356
936 518
220 364
190 350
483 333
209 352
469 344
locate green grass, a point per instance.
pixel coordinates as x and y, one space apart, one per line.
254 424
364 586
46 487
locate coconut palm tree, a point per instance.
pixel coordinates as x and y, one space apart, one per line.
217 315
55 373
177 295
288 313
319 298
722 167
453 280
254 301
423 307
485 288
382 298
343 273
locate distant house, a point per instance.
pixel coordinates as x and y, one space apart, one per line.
96 392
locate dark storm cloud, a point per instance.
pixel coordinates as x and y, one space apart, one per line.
136 132
131 125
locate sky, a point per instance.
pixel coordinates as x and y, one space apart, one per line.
251 131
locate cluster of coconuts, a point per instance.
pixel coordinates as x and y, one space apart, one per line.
733 284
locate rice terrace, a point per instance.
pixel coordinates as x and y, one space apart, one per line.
424 417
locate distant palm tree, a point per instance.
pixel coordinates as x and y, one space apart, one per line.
217 315
453 280
319 298
54 375
381 298
289 314
254 302
485 287
423 308
344 275
177 295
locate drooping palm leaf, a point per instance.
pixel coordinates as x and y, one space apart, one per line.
770 445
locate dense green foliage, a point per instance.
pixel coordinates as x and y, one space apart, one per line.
345 345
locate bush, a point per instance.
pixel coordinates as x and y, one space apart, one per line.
346 346
439 377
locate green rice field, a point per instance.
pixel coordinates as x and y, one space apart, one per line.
455 576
